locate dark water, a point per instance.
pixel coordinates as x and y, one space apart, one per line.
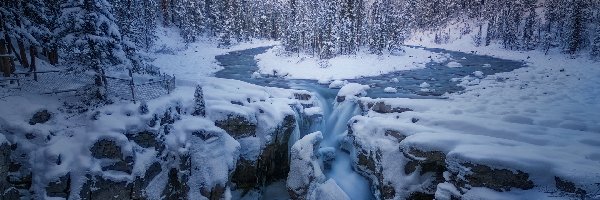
240 65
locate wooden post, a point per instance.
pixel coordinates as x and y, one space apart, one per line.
24 62
32 54
4 64
132 86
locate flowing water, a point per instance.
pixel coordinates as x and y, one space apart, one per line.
240 65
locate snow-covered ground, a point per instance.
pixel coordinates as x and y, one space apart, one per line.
542 120
192 61
301 66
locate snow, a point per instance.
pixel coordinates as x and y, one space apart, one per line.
313 111
363 64
454 64
305 170
478 74
337 84
330 191
353 89
192 61
390 90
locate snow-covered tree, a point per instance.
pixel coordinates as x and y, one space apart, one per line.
199 106
91 37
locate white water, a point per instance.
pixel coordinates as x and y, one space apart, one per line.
334 127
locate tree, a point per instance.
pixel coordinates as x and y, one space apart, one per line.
529 40
90 33
199 105
576 27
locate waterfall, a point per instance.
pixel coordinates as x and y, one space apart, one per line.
334 126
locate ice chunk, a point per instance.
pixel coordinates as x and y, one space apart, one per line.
390 90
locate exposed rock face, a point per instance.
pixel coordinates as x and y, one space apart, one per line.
60 187
433 162
381 107
40 117
305 173
140 183
147 139
99 187
273 162
496 179
108 149
569 187
4 167
237 126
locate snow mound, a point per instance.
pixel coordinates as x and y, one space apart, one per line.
390 90
337 84
478 74
454 64
353 89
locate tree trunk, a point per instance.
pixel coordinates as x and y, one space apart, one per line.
24 62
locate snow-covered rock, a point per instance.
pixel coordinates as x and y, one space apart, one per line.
352 90
478 74
454 64
337 84
305 171
390 90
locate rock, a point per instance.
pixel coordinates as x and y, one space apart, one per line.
178 176
237 126
108 149
60 187
40 117
427 162
246 174
10 193
496 179
340 98
302 96
105 148
101 188
215 193
305 171
147 139
381 107
569 187
125 165
327 155
273 162
5 152
140 183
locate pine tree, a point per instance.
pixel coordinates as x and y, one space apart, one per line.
529 40
199 105
576 27
90 33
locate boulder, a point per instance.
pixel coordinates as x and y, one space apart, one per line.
40 117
